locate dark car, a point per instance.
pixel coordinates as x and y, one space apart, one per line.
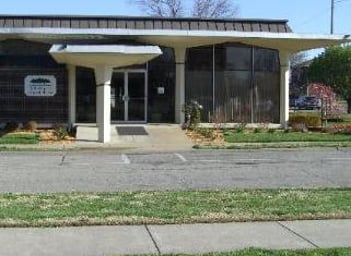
308 102
292 101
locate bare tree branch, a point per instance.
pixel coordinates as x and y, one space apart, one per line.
297 58
176 8
214 9
161 8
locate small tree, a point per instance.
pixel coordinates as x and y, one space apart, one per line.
333 68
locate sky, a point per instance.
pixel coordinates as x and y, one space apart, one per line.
305 16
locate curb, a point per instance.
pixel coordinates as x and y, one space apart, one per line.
283 145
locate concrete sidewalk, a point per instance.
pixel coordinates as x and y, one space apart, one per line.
153 239
157 137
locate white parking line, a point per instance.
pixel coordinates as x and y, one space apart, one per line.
125 159
82 164
182 158
236 160
337 159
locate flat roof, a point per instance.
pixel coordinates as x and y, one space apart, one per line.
78 16
149 23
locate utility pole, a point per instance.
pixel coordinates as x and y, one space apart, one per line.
332 17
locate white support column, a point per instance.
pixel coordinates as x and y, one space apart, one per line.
103 76
180 84
71 95
284 88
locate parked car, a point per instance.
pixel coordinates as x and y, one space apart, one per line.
308 102
292 101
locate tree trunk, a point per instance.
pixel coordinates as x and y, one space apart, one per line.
349 106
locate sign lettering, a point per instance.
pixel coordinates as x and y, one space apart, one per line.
40 86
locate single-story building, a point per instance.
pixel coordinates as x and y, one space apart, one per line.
106 69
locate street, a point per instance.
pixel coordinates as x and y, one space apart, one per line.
97 171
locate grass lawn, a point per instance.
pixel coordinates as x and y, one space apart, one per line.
19 138
260 252
266 137
21 210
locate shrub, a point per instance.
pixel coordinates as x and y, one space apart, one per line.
271 130
342 129
257 130
192 113
227 133
239 128
328 130
30 126
195 117
60 132
206 132
11 127
309 120
299 127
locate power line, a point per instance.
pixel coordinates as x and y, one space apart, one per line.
332 11
340 1
324 12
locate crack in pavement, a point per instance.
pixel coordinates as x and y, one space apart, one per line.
297 234
153 239
63 158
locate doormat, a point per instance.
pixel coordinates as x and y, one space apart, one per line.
131 131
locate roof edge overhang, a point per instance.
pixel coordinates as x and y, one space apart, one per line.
106 55
291 42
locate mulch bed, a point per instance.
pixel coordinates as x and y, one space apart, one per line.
48 136
197 138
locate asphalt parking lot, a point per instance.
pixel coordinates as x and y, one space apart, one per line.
66 171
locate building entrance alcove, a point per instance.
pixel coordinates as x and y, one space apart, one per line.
129 96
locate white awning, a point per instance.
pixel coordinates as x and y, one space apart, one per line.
289 42
109 55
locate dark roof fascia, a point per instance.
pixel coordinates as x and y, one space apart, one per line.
143 18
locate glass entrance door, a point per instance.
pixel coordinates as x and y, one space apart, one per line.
128 96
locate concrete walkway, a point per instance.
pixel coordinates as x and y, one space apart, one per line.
159 137
153 239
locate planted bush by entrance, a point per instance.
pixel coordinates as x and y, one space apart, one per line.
307 119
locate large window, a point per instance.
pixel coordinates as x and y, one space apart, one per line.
234 83
26 54
199 79
86 95
266 85
161 87
20 59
